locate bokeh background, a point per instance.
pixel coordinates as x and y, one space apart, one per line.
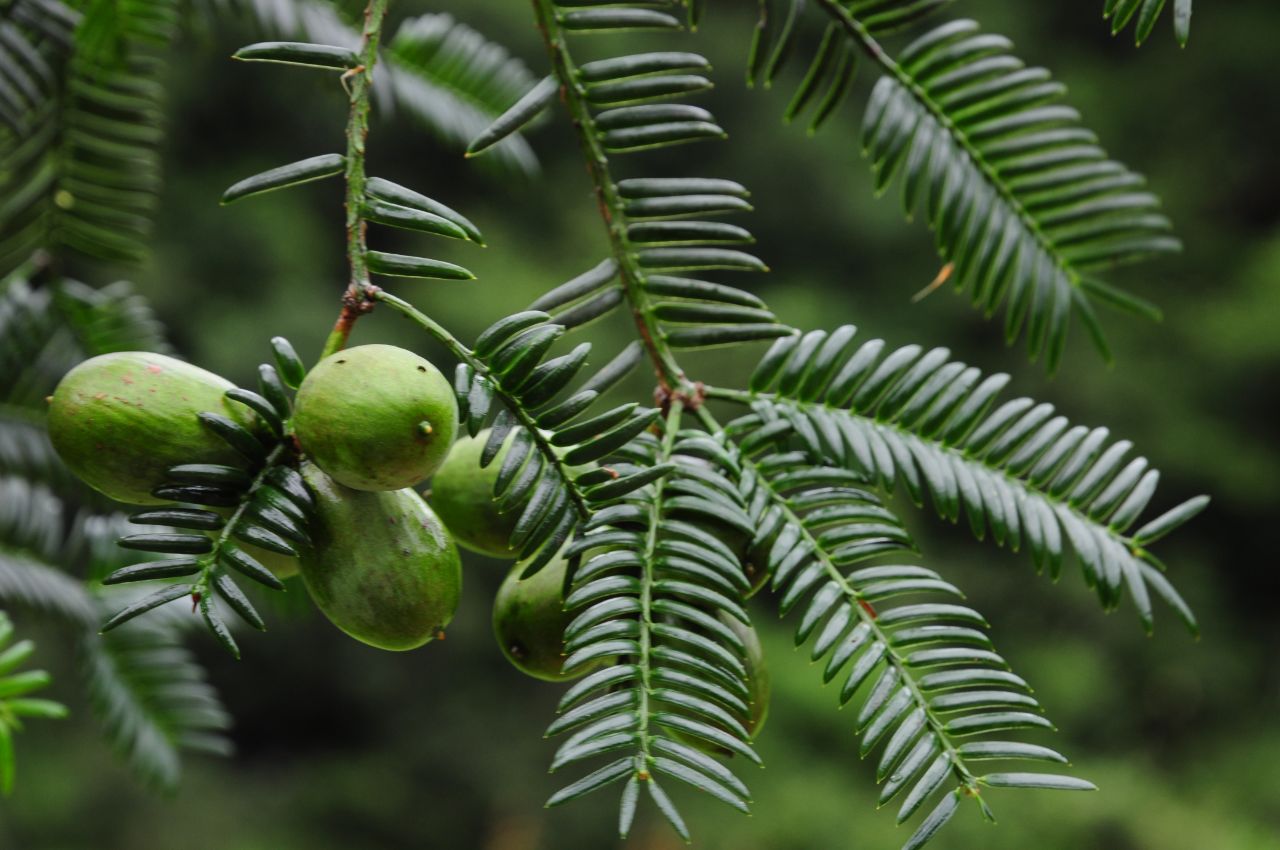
341 746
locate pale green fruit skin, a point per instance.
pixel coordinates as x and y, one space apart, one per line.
281 566
758 682
529 621
381 566
376 417
462 494
753 559
120 421
758 688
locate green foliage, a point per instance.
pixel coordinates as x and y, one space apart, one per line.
1144 14
661 521
34 39
56 533
664 239
15 702
915 419
654 579
548 475
834 65
84 171
82 100
446 76
454 82
1025 206
930 687
151 698
652 588
263 503
29 581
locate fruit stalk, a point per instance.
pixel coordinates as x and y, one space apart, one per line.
356 300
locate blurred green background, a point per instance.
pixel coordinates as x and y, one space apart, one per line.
341 746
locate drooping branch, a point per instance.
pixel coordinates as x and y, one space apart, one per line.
612 206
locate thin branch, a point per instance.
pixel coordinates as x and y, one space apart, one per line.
356 301
670 376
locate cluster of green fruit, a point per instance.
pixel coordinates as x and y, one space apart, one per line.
368 424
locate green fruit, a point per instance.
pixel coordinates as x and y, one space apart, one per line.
120 421
462 494
529 621
376 417
739 542
758 689
281 566
382 567
758 686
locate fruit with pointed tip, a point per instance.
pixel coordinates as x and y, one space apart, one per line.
529 621
381 566
376 417
462 494
119 421
758 689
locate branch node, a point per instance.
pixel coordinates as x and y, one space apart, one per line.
690 396
358 300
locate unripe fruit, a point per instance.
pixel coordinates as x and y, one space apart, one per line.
758 688
462 494
753 558
529 621
281 566
376 417
758 685
382 567
120 421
